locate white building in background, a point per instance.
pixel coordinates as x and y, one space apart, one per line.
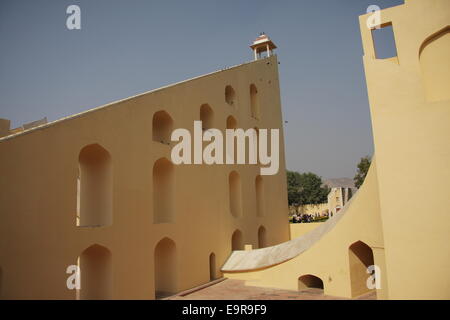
342 189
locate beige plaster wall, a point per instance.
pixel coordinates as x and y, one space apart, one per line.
300 229
39 238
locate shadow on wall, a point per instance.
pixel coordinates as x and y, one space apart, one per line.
212 267
262 237
230 95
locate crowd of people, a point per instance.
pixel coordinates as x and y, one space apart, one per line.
305 218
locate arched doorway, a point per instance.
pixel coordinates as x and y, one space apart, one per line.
360 258
309 281
95 273
237 243
262 237
165 268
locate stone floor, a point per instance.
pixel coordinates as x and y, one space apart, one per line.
229 289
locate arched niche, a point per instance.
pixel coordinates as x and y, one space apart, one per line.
360 258
163 191
434 59
94 187
95 273
165 258
162 127
237 242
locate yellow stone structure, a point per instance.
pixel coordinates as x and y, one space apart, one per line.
320 209
337 198
98 190
300 229
398 220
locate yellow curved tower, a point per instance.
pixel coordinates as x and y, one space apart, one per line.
399 220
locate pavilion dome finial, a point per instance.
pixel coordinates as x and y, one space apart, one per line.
262 44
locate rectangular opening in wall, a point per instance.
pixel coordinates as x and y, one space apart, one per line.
384 42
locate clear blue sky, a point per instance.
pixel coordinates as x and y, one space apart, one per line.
126 47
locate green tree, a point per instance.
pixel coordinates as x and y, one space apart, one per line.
293 186
363 168
305 188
